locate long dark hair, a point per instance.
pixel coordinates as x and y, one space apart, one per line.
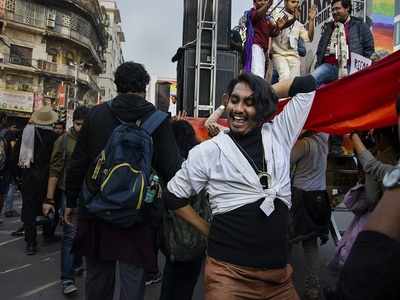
185 136
263 94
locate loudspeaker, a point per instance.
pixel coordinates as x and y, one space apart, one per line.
224 22
227 69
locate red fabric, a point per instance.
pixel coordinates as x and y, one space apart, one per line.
358 102
331 59
262 30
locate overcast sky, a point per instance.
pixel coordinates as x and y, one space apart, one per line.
153 31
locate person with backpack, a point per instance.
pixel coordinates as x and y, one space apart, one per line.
60 158
183 246
119 143
37 143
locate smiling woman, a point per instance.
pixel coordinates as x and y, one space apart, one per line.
245 171
250 102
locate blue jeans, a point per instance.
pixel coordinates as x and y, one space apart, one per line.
325 73
9 197
69 261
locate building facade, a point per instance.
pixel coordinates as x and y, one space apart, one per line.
113 55
50 51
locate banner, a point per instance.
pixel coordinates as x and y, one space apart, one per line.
16 101
358 62
358 102
61 94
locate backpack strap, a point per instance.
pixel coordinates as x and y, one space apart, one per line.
154 121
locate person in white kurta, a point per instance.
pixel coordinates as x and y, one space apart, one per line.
245 171
284 50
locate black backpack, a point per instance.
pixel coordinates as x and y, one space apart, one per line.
180 241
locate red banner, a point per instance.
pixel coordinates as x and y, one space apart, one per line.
61 95
359 102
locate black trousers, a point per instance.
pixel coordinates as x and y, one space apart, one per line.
100 280
32 198
179 279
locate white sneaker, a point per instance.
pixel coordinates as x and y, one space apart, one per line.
69 288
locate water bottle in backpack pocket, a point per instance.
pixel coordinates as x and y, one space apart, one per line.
115 186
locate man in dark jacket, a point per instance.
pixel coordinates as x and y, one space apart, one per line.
102 244
34 158
341 37
60 157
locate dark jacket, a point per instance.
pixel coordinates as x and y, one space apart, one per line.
61 155
35 178
94 237
361 40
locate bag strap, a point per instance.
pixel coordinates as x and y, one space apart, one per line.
154 121
65 145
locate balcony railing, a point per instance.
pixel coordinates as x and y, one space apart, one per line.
50 67
68 71
16 60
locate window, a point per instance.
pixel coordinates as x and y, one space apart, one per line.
19 83
69 58
20 55
52 55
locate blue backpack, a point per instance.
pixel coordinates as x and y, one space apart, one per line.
115 185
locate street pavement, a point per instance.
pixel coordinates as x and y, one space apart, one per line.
37 277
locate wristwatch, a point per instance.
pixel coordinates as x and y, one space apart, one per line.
392 178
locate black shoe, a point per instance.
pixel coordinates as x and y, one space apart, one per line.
30 249
18 232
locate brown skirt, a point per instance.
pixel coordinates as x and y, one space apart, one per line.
224 281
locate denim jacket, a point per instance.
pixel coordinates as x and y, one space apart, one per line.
361 40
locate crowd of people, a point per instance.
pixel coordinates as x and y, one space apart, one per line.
127 181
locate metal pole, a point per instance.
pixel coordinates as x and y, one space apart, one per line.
365 11
214 55
198 57
75 86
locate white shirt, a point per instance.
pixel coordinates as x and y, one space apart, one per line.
172 108
218 166
286 42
